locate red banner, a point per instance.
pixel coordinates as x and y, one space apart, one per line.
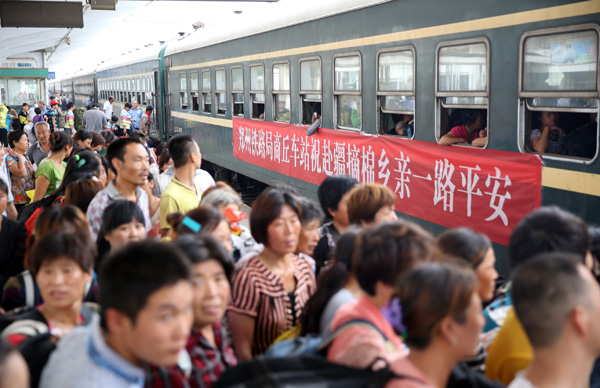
486 190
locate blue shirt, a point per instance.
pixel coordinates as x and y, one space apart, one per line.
83 359
136 114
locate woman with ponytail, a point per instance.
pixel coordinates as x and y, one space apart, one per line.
51 170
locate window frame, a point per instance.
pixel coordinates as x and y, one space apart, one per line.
221 91
208 91
440 95
302 92
276 93
379 93
254 92
237 91
182 91
523 96
347 92
196 91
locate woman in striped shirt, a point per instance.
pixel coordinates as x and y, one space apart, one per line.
70 119
271 289
126 119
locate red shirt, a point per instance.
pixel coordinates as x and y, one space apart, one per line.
208 363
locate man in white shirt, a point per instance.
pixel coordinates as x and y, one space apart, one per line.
557 300
108 108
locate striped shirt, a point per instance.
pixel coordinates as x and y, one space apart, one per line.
259 293
125 120
70 121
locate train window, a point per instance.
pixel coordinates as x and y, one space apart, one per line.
206 89
347 91
144 91
194 90
396 92
237 91
558 93
183 90
220 85
281 92
257 91
310 88
462 91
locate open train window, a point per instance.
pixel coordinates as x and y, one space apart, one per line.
559 92
462 92
183 90
396 91
281 92
310 88
220 85
144 89
194 91
237 91
257 91
347 91
206 89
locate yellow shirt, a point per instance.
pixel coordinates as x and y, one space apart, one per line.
177 198
510 352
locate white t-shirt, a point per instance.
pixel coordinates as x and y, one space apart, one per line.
202 179
521 381
108 110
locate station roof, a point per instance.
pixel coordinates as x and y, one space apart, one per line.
140 28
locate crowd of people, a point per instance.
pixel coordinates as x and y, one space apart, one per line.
128 269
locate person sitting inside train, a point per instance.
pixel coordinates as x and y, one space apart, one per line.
283 113
549 139
405 126
472 131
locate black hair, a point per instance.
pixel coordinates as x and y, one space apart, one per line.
131 275
128 105
76 246
70 104
82 135
114 118
201 248
117 149
84 164
117 213
309 211
14 137
181 147
149 108
469 116
331 279
387 250
38 111
594 232
108 136
545 290
547 229
465 244
331 191
59 140
266 208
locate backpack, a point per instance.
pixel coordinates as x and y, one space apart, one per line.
312 344
305 371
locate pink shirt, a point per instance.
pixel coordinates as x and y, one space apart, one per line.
413 377
358 346
461 132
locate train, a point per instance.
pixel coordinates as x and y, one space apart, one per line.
365 67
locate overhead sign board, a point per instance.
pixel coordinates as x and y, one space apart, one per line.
48 14
51 75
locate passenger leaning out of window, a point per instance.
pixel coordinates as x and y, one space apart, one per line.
472 130
549 138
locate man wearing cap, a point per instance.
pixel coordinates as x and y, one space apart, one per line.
52 115
94 119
